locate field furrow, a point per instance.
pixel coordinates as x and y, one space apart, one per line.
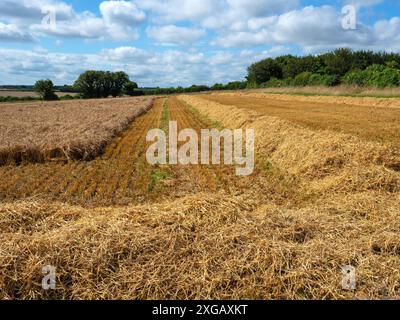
201 177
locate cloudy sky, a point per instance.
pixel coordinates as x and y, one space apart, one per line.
179 42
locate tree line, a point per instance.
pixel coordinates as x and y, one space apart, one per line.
234 85
91 84
341 66
102 84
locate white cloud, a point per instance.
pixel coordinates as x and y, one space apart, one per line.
309 26
12 33
173 35
387 34
258 23
117 21
127 54
148 68
313 29
121 12
261 8
214 13
362 3
26 12
167 11
237 14
243 39
278 24
85 25
221 58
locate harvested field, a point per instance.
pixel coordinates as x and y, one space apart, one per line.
20 94
121 175
316 155
369 118
115 227
109 178
342 90
40 132
203 246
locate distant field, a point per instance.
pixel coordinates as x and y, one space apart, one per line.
336 91
369 118
37 132
19 94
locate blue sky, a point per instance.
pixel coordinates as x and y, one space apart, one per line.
179 42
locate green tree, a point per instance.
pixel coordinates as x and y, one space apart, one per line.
393 64
106 83
118 80
290 66
263 71
45 89
339 62
130 88
88 84
101 84
217 86
374 76
302 79
197 88
235 85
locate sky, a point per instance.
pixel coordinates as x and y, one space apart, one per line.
181 42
